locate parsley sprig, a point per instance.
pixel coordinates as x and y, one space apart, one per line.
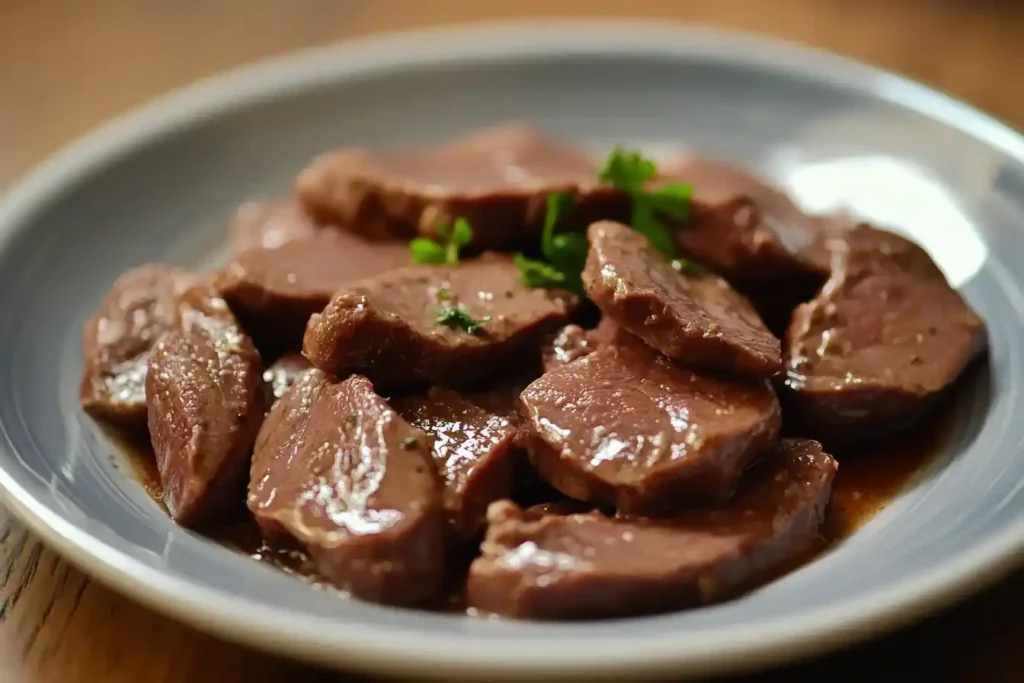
565 254
458 319
629 171
454 236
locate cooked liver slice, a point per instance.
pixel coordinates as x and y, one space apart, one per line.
883 336
498 178
268 224
587 566
281 375
627 427
741 227
205 408
275 291
695 318
118 338
386 327
473 451
341 473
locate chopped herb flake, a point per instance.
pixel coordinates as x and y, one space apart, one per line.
457 318
564 254
444 295
409 443
453 238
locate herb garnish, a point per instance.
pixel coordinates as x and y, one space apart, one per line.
457 318
453 236
629 170
564 254
409 443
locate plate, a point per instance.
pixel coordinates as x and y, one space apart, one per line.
160 183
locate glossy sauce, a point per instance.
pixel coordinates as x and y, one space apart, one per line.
870 476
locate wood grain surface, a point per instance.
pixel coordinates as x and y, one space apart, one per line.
65 66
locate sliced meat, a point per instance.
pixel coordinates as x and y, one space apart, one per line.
884 336
118 338
627 427
501 396
205 408
741 227
497 178
275 291
562 507
343 475
695 318
281 375
473 451
268 225
392 327
587 566
573 342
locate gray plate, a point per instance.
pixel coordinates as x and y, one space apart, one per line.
160 183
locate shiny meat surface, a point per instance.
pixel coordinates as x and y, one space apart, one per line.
587 566
268 224
497 178
627 427
741 227
883 336
473 451
695 318
388 328
342 474
205 407
275 291
118 338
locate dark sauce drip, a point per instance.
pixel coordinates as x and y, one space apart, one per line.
870 476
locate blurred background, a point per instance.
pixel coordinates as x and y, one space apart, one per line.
67 65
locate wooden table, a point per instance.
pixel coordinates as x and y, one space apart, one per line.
67 66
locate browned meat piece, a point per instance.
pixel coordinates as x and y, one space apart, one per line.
587 566
118 338
275 291
341 473
473 451
205 408
884 336
572 342
281 375
268 225
741 227
562 507
695 318
497 178
389 327
627 427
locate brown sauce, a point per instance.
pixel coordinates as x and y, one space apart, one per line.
870 476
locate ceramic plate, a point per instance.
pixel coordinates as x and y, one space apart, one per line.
160 183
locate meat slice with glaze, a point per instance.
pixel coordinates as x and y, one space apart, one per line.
473 451
391 327
338 471
573 342
884 336
281 375
269 224
695 318
275 291
498 178
627 427
588 566
741 227
205 396
118 338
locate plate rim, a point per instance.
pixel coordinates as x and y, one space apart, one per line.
725 650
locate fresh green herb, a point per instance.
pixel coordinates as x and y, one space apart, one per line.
538 274
453 237
457 318
628 170
352 419
409 443
443 295
565 254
